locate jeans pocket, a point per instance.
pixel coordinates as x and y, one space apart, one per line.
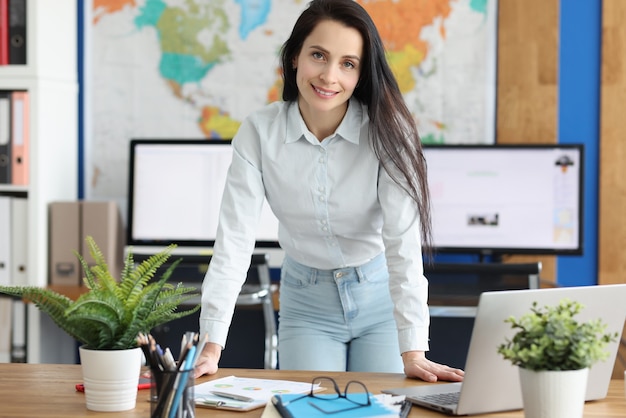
295 278
378 275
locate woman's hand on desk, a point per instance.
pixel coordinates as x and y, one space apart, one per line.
208 359
416 365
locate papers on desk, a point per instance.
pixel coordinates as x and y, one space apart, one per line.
257 392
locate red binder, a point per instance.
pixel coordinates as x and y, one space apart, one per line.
20 137
4 32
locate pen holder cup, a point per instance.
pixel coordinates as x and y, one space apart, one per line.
171 394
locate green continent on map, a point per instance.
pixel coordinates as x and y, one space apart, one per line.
192 40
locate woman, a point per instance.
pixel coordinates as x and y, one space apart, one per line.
340 163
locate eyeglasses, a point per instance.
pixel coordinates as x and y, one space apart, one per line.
355 393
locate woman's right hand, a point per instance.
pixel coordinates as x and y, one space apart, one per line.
208 359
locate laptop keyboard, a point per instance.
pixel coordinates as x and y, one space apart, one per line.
441 398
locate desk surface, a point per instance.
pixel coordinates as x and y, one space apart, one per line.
47 390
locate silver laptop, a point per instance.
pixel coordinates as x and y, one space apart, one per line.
491 383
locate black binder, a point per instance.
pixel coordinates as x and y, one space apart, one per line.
5 137
17 31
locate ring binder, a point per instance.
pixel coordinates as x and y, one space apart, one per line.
17 31
19 138
5 137
4 32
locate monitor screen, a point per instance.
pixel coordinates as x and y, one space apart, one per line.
506 198
175 191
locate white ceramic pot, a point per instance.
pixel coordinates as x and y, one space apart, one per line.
553 394
111 378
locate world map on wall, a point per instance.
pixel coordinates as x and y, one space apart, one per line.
196 68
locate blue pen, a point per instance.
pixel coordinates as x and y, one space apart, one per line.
188 366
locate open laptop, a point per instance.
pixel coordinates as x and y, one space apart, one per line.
492 383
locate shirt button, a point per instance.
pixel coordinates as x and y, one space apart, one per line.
324 228
321 160
322 198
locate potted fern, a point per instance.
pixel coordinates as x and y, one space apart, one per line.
554 353
107 319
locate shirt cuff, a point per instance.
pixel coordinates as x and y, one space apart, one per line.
216 331
413 339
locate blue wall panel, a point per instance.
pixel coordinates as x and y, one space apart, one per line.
578 121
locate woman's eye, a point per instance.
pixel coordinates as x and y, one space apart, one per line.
349 64
317 55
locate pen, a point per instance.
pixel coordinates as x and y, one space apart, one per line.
280 407
405 408
80 387
209 402
168 358
232 396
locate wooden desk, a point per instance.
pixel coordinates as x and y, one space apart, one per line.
47 390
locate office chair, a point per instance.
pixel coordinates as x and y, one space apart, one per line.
258 290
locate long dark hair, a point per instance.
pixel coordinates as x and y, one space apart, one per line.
393 130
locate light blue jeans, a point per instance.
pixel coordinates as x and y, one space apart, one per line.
337 320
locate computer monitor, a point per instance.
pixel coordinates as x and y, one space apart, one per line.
506 199
487 199
175 192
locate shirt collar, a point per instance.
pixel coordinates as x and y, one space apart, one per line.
349 128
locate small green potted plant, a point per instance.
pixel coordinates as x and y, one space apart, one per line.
554 352
109 316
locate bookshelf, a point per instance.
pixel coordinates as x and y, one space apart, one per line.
51 80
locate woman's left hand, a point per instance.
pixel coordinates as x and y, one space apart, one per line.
416 365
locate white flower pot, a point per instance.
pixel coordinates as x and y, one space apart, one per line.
111 378
553 394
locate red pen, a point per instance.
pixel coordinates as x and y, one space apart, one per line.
143 384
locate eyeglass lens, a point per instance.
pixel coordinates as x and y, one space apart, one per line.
355 393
